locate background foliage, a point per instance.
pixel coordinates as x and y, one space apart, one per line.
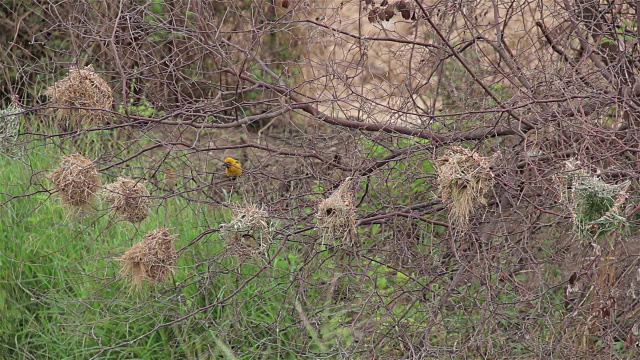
540 99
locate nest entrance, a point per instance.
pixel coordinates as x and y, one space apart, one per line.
129 199
249 232
81 88
464 178
336 215
153 258
76 180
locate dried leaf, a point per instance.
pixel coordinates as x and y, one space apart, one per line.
372 15
388 13
404 10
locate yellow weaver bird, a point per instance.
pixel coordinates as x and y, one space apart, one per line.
233 168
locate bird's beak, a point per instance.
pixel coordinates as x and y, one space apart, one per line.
227 165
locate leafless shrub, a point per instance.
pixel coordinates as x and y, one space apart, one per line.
409 97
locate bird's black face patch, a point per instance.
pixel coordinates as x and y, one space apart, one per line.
227 165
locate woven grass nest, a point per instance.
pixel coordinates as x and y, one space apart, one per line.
464 178
249 232
10 122
129 199
595 205
336 215
82 87
153 258
76 180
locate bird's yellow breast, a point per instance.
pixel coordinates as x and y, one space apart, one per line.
233 168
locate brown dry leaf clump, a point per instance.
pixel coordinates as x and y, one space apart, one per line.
128 198
153 258
81 88
387 12
464 177
76 180
336 215
249 233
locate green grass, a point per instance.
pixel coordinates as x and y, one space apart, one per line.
61 295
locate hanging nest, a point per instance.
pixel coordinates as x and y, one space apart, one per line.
249 232
10 122
76 180
337 215
153 258
81 88
129 199
595 205
464 178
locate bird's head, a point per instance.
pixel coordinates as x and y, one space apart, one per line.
228 162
